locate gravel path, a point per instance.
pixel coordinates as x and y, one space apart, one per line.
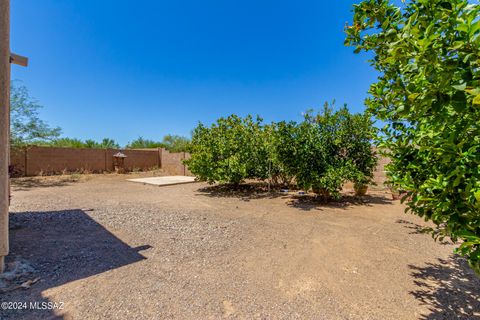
105 248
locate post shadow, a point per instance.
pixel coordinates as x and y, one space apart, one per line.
60 246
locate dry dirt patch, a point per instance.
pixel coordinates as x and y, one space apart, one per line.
110 249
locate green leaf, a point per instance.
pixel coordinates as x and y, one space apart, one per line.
476 100
477 196
475 27
460 87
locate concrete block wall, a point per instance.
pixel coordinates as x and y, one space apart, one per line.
380 174
142 159
173 163
187 172
136 159
33 160
49 160
18 161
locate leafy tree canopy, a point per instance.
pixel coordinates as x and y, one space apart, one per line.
26 127
173 143
106 143
142 143
231 150
427 53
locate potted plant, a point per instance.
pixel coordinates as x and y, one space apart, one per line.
360 183
360 189
397 194
323 192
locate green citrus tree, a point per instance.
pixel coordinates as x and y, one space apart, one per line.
428 93
355 135
281 140
229 151
335 146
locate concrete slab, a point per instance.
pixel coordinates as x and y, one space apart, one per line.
164 181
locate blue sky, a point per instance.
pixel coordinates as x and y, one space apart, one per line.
124 69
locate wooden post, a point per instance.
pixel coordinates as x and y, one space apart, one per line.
4 126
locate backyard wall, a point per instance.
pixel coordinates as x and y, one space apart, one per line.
170 163
380 174
32 161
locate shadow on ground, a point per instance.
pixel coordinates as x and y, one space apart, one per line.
245 192
312 202
419 229
449 288
28 183
58 247
307 202
414 227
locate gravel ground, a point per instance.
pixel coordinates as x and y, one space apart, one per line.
100 247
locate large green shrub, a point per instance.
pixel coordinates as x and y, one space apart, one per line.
335 146
355 135
319 162
231 150
427 53
281 140
321 152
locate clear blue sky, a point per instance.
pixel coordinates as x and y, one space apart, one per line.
124 68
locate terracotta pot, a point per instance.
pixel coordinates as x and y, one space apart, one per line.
321 192
398 196
360 190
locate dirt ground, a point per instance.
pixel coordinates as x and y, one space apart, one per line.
99 247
